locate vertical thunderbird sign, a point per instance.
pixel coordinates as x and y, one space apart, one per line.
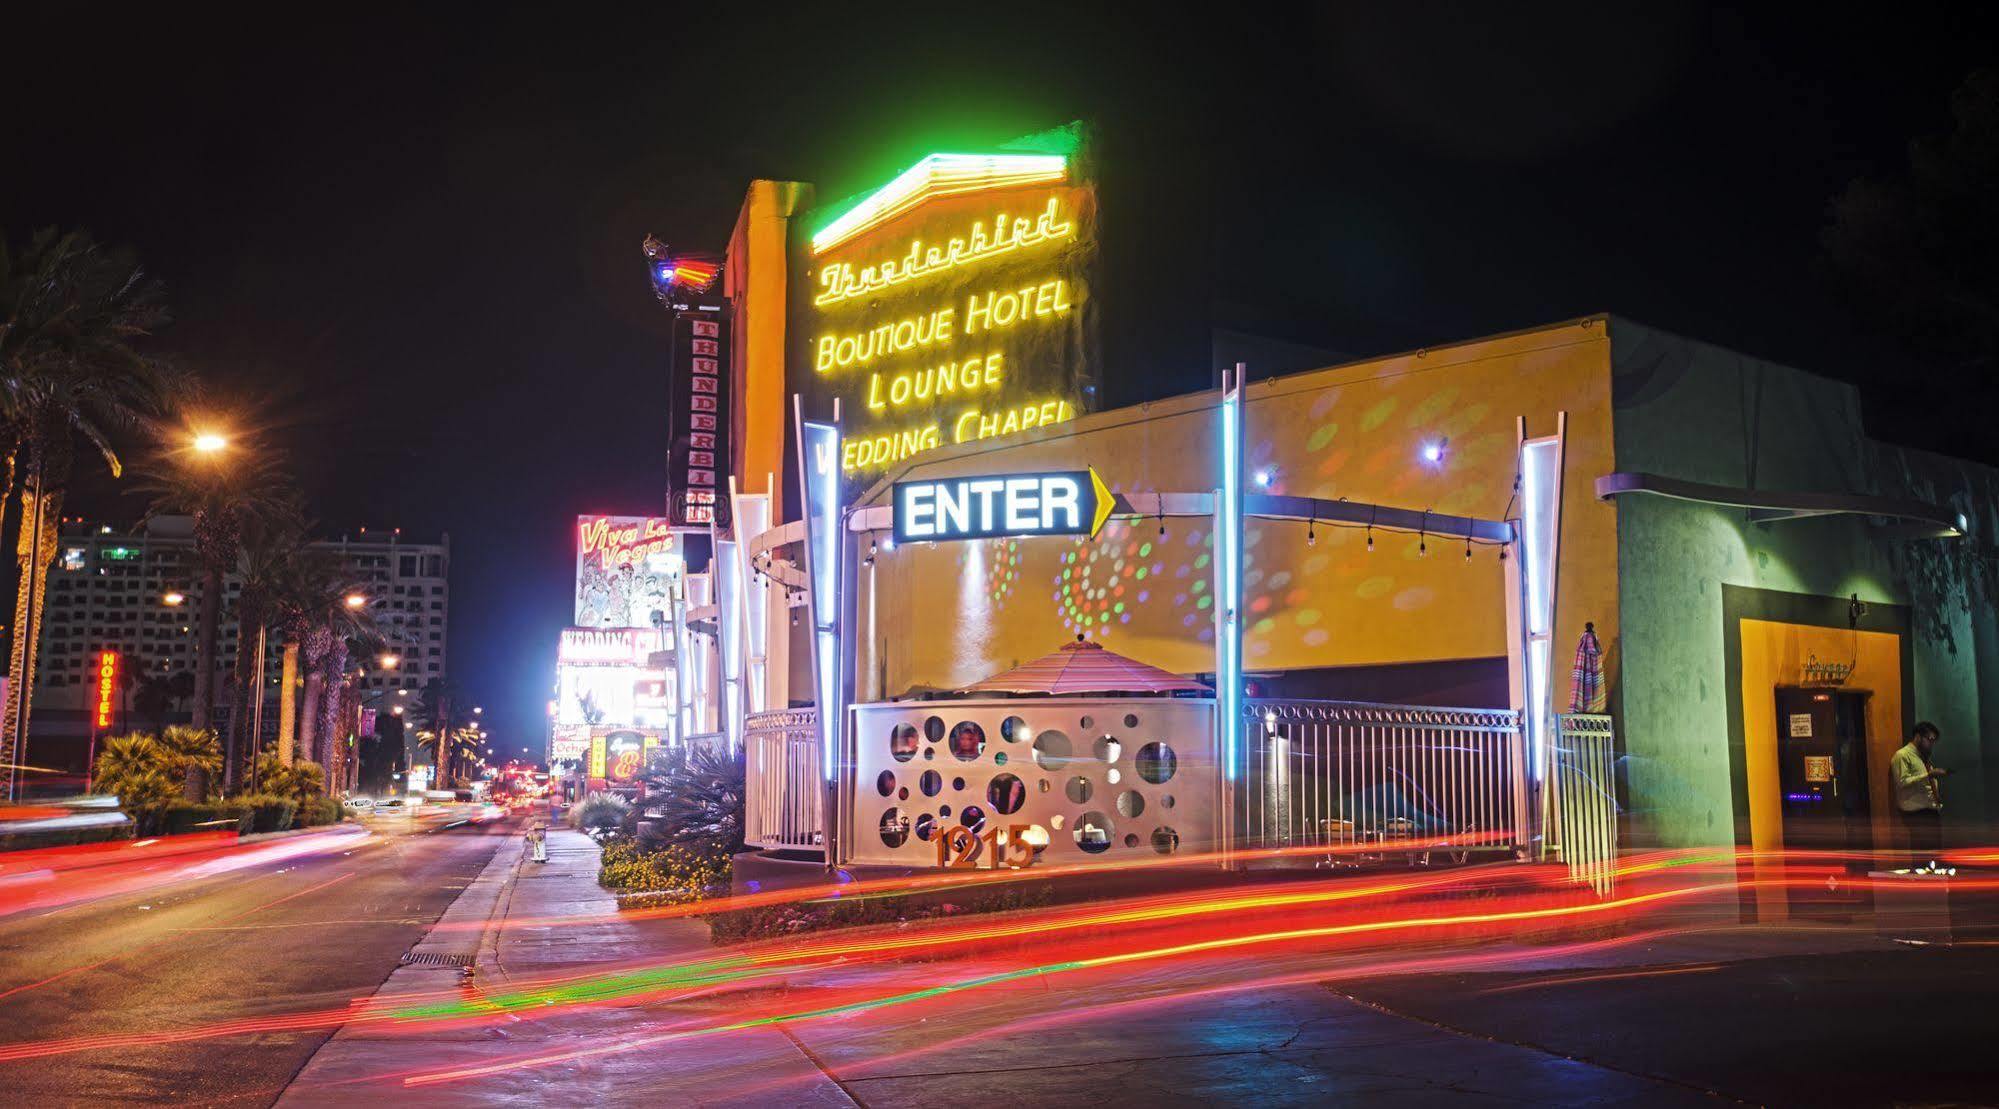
698 457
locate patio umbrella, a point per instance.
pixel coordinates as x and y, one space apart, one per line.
1588 694
1085 667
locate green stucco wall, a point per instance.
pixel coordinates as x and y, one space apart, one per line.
1688 410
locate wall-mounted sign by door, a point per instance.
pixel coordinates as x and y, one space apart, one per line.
1070 502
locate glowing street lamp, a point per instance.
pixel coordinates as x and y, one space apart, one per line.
356 600
174 599
478 709
209 442
390 662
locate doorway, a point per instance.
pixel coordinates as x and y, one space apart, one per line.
1822 770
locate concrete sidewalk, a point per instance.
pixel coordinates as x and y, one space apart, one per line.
510 924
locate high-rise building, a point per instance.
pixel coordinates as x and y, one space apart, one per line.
136 592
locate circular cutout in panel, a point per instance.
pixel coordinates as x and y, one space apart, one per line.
932 783
968 740
1078 789
930 752
895 828
1166 801
943 810
933 729
902 794
957 783
1129 803
999 759
1093 832
1014 730
885 782
1006 793
1156 762
1052 751
902 743
1131 839
1088 722
1042 786
1055 822
926 827
973 818
1165 840
1131 720
1107 749
1113 776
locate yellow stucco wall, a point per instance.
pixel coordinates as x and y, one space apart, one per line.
948 615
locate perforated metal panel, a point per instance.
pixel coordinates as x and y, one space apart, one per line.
1092 779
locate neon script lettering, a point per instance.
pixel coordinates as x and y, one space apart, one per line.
842 281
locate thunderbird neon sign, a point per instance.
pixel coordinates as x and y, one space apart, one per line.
1071 502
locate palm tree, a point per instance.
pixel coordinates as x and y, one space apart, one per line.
195 753
225 496
464 742
70 312
317 613
271 545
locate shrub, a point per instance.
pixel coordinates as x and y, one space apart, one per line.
777 921
600 814
699 802
182 816
300 781
270 813
315 811
676 871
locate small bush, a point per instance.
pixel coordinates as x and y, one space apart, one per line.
269 813
673 871
182 817
778 921
315 811
600 814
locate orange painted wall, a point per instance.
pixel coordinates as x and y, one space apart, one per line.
755 281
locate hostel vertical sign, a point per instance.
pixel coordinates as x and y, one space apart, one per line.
698 457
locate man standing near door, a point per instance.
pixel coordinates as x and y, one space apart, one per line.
1916 794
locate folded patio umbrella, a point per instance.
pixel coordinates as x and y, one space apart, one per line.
1588 694
1085 667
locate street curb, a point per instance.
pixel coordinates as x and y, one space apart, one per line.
481 900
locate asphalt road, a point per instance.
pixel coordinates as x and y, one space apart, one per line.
1862 1028
309 932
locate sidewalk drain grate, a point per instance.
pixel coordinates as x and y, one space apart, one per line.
435 959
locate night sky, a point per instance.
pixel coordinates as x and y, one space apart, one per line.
412 245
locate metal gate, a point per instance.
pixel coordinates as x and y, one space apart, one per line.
1579 803
781 768
1369 780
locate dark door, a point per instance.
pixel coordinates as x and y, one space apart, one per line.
1822 769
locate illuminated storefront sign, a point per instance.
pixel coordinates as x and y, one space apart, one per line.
619 757
608 646
698 443
570 743
1073 502
625 566
950 305
106 701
